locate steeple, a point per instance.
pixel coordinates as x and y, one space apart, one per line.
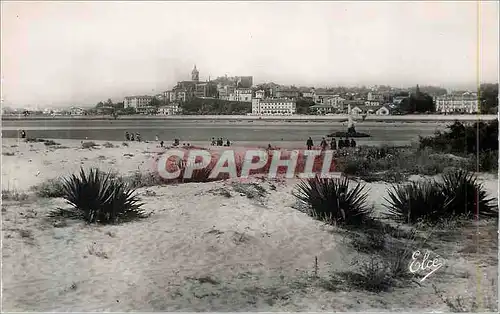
195 75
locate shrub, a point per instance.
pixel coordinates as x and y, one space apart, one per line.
14 195
50 143
89 145
465 194
415 200
50 188
331 199
488 161
432 201
97 198
463 137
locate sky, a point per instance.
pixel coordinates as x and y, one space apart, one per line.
77 53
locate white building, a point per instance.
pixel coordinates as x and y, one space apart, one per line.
76 111
243 94
372 103
260 94
457 103
273 106
139 103
169 110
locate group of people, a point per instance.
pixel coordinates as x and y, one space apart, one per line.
220 142
132 137
343 143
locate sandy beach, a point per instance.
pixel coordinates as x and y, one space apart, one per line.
205 247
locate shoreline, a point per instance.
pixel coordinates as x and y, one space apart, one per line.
302 118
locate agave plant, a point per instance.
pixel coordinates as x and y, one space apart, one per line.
98 197
416 201
460 194
331 199
465 195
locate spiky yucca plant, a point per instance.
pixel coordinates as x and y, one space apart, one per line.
465 195
415 201
99 198
331 199
431 201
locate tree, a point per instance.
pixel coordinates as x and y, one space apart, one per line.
303 106
488 94
155 102
128 111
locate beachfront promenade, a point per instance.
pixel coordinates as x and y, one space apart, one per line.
332 118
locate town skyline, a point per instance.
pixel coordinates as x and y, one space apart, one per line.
99 54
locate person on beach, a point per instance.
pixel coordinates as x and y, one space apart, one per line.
23 134
341 143
323 144
156 138
333 144
353 143
213 141
127 136
138 136
309 143
269 147
228 143
132 136
161 144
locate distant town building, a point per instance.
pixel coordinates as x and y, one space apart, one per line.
370 110
323 109
195 75
186 90
76 111
372 103
457 103
225 92
170 109
372 96
141 104
308 94
243 94
260 94
273 106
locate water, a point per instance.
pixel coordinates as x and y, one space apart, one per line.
397 133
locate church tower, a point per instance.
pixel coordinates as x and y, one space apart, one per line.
195 75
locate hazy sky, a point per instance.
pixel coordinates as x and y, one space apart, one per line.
64 53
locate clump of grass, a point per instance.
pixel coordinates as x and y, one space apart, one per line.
50 143
98 198
332 200
8 153
34 140
373 275
50 188
89 145
108 145
9 195
432 201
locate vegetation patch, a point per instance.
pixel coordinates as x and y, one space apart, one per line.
99 198
460 194
333 200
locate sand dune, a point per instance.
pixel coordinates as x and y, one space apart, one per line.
206 247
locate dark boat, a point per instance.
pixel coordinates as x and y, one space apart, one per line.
351 131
